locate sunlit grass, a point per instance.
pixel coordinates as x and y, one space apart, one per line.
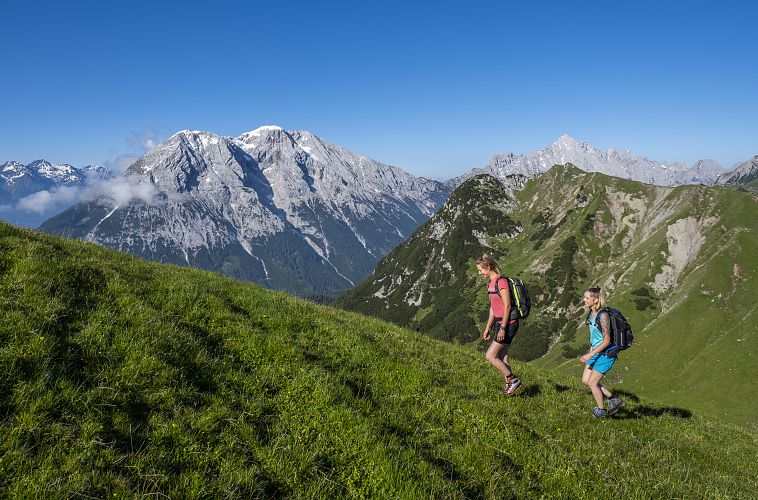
119 377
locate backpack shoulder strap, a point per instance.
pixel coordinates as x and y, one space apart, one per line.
507 281
596 323
497 287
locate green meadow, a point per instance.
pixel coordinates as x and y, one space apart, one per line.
681 263
120 378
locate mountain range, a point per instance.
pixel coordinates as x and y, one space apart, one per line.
284 209
679 262
18 181
615 162
287 209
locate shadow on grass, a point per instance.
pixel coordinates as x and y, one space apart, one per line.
446 467
643 411
529 391
626 395
519 473
7 407
137 413
230 304
561 388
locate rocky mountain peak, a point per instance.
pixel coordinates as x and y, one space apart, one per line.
266 136
742 173
12 166
566 141
284 209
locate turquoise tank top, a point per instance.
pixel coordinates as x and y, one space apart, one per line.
596 334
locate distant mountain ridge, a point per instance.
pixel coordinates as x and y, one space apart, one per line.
615 162
284 209
743 173
18 180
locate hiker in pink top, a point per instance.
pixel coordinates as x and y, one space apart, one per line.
502 321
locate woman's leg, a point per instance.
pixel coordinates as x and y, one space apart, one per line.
586 379
586 375
606 392
494 359
594 384
503 356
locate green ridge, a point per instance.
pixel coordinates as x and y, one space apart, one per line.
125 378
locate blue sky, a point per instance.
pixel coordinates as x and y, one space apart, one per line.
435 88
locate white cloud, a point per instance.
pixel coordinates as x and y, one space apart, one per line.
121 163
118 190
141 143
121 191
144 141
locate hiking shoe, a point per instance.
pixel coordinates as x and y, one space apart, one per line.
513 386
599 412
614 405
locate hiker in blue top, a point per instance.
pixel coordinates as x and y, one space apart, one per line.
596 363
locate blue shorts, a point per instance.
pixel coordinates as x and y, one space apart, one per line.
600 363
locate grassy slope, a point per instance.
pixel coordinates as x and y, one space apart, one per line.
580 230
122 377
699 337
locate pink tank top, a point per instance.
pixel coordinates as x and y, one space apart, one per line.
496 301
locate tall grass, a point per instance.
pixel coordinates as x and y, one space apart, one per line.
123 378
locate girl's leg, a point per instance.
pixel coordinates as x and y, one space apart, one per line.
494 360
503 356
606 392
586 379
594 384
586 375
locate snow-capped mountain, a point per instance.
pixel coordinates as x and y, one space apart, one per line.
614 162
284 209
18 180
742 173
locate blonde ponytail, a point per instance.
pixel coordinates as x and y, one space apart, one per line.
488 262
599 294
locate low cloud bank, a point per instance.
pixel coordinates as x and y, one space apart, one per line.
121 191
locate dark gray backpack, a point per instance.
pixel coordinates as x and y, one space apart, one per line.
621 331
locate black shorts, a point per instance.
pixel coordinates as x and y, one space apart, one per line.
510 331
